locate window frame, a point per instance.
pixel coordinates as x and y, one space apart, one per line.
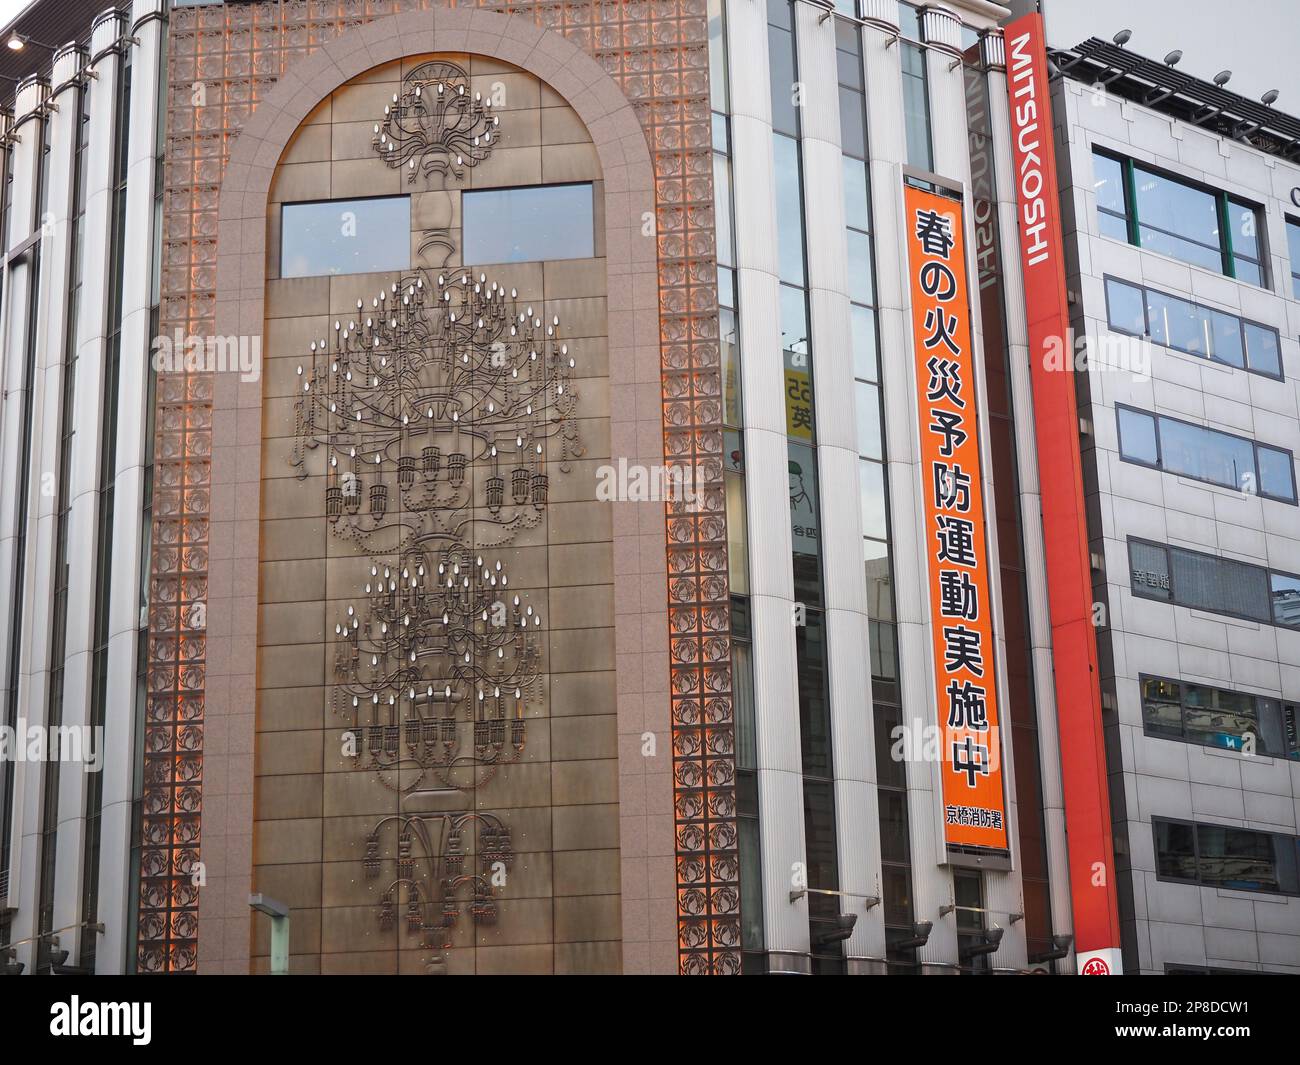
1196 826
282 230
1288 754
1222 199
1171 599
1292 225
589 185
1242 323
1159 465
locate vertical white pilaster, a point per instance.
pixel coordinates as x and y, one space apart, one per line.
17 511
93 328
126 608
51 324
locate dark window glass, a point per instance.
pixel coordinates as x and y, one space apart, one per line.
1204 582
525 225
1125 307
1213 717
742 669
880 590
853 133
1218 718
898 896
893 826
819 841
884 650
891 772
345 236
1162 710
848 60
1149 566
1236 858
1175 850
751 882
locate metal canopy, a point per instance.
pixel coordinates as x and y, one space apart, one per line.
1163 88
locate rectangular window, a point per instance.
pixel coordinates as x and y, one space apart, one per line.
916 106
1178 218
1215 717
1293 251
1284 591
1192 328
1203 454
1201 581
1225 856
345 236
528 224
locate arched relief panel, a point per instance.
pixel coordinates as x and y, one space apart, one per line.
454 771
268 69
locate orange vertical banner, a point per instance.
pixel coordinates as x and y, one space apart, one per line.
1065 526
953 512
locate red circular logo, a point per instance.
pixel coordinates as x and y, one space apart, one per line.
1095 967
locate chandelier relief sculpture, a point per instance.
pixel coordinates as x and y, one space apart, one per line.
441 406
436 127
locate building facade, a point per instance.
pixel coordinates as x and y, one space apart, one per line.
404 403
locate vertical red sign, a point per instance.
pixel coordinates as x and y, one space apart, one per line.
1065 529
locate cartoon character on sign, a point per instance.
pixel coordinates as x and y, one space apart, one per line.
1095 967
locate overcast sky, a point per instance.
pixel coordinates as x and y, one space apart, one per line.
1257 40
10 8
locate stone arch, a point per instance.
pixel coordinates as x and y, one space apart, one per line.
231 681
